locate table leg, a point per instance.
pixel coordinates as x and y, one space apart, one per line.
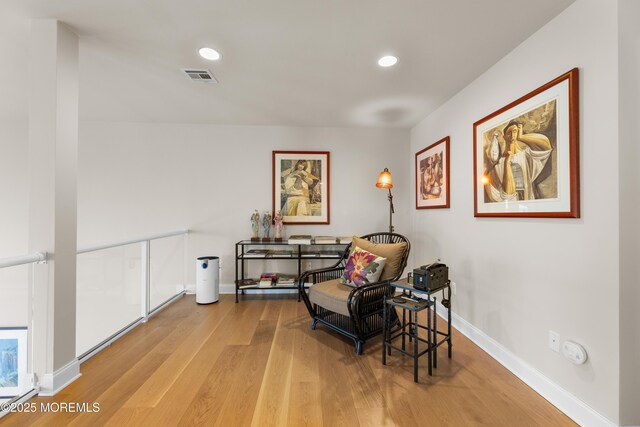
435 334
429 342
404 324
415 346
449 343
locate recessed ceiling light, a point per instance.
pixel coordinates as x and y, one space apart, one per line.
210 54
387 61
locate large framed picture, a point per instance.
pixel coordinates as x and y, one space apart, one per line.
13 362
301 186
432 176
525 155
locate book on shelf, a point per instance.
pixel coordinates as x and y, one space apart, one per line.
247 283
310 254
324 240
343 240
265 283
280 253
330 254
286 280
256 253
267 280
299 239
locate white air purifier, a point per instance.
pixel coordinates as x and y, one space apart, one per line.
207 279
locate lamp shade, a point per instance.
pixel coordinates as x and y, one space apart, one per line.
384 180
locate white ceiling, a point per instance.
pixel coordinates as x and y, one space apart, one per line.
285 62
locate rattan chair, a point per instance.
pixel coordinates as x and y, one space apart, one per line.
355 312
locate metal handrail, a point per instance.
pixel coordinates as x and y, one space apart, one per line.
129 242
42 256
23 259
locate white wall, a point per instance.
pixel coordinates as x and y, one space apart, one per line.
14 188
141 179
519 278
629 126
14 218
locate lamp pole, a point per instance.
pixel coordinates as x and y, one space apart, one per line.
391 211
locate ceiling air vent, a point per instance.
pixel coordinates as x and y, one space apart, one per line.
201 76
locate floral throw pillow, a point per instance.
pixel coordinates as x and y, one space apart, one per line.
362 268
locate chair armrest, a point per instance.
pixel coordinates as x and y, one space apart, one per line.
368 298
320 275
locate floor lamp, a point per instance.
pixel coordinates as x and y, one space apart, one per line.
385 181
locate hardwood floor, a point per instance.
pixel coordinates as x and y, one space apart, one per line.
258 363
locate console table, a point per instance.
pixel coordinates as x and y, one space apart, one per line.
279 251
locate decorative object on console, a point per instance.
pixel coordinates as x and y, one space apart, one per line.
301 186
266 225
277 221
255 221
525 155
432 176
385 181
362 268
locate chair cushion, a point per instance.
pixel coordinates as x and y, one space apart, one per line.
362 268
391 251
332 295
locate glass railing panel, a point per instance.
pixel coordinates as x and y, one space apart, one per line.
109 293
167 269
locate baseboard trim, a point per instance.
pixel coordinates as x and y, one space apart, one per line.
51 384
227 288
570 405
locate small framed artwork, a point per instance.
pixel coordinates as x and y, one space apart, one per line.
525 155
301 186
13 361
432 176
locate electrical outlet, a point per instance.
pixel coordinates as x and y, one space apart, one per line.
453 288
554 341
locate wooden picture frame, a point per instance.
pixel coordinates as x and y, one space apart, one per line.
13 365
301 187
432 176
525 155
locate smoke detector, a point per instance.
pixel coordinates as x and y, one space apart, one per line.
205 76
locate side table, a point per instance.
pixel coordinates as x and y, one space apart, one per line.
409 328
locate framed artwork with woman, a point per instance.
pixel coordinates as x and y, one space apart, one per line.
301 186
